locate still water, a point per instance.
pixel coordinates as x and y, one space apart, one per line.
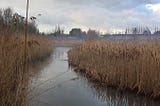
55 84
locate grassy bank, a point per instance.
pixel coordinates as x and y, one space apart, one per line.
66 43
126 65
13 78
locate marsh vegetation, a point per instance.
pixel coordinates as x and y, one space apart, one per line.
132 65
14 78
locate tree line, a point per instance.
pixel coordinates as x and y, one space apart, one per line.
12 21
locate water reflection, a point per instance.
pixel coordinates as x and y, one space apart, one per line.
36 69
55 84
114 97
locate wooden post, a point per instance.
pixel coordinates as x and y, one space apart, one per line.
26 37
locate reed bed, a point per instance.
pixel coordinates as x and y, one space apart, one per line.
126 65
14 79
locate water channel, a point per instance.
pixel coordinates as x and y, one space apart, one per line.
55 84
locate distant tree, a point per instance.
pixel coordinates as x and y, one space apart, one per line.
157 33
126 31
32 27
78 33
75 32
134 31
138 30
58 31
10 21
1 19
146 31
8 16
92 34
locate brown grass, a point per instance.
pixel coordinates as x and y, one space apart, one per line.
13 78
126 65
66 43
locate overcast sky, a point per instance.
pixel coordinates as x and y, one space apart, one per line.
103 15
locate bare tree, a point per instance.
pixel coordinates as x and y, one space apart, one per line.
10 21
8 16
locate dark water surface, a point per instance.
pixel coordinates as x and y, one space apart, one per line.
55 84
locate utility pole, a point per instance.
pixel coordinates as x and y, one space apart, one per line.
26 37
26 29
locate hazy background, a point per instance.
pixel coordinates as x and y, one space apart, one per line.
103 15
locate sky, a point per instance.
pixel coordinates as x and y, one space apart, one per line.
107 16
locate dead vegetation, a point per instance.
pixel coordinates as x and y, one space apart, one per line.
13 78
126 65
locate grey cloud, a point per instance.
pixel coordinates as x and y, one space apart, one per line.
100 14
108 4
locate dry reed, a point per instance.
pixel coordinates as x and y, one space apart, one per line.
126 65
13 79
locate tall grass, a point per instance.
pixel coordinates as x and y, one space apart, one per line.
126 65
13 78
